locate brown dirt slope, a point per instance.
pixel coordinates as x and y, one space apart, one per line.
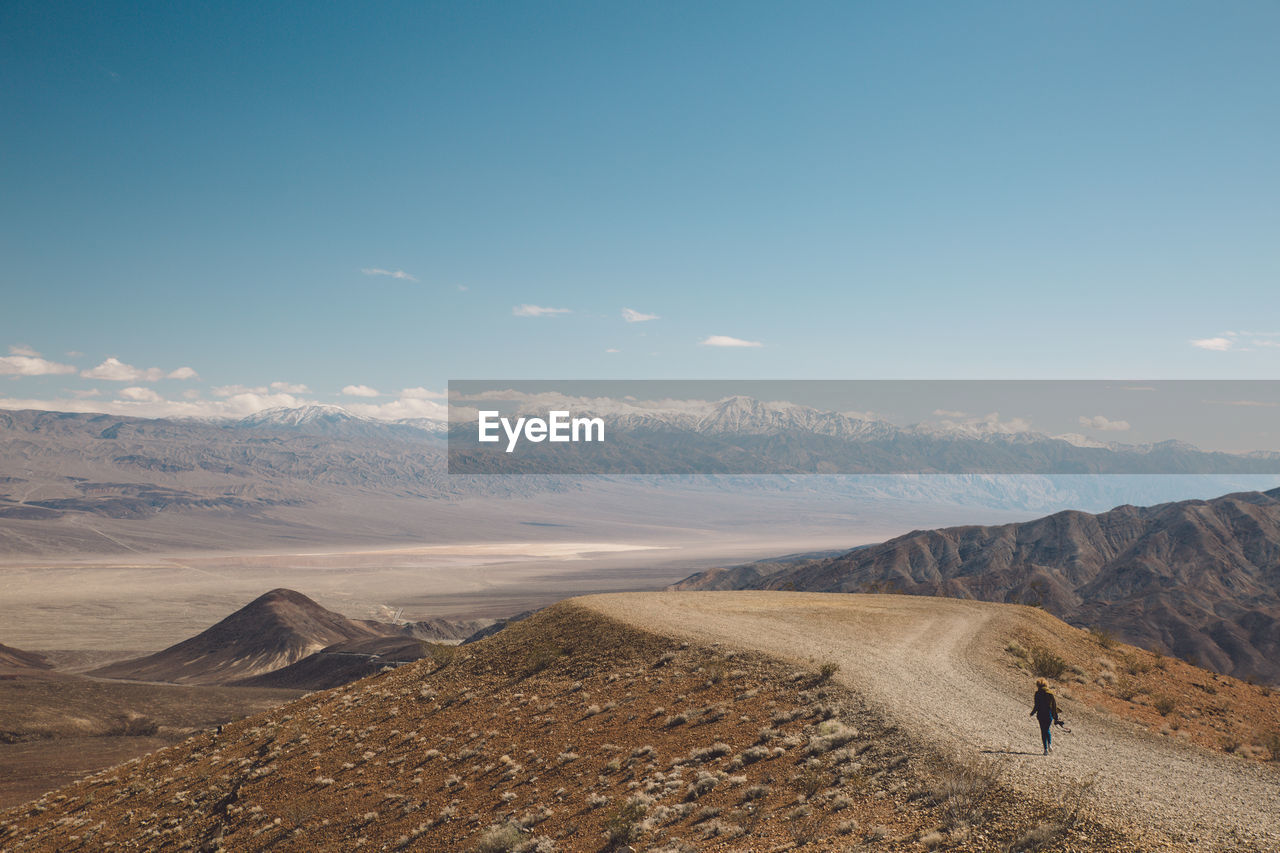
273 631
55 727
941 668
569 731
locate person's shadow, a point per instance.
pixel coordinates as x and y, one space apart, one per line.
1006 752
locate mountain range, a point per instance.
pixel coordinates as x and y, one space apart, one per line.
740 435
97 483
1199 579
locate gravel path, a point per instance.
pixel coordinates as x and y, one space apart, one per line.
936 667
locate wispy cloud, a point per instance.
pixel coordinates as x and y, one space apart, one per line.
1103 423
613 349
401 408
398 274
274 387
1238 341
115 370
1268 404
139 394
636 316
22 364
23 349
360 391
538 311
726 341
950 413
421 393
146 403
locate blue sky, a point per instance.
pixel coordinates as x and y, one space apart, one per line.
862 190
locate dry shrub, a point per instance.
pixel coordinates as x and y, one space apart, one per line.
830 735
1039 837
1046 663
1103 637
501 838
541 657
441 655
624 824
960 788
811 780
1271 741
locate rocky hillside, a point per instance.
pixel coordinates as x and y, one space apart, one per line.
273 631
566 732
1198 579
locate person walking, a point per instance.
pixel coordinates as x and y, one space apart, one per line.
1045 710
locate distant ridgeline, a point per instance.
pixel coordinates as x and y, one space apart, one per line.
582 428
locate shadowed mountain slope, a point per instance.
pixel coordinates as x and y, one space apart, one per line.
1199 579
11 658
271 632
340 663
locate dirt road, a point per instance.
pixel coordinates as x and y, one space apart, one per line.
936 667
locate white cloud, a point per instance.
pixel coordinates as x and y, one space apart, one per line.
726 341
139 401
274 387
1214 344
613 349
115 370
27 365
637 317
140 395
23 349
233 390
538 311
404 407
360 391
1104 424
421 393
398 274
950 413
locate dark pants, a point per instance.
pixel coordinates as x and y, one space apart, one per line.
1046 731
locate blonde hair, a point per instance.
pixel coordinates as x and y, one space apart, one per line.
1040 682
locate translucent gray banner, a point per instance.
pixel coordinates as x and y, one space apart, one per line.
569 427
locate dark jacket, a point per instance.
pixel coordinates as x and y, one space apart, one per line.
1046 707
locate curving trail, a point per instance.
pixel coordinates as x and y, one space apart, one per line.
935 667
